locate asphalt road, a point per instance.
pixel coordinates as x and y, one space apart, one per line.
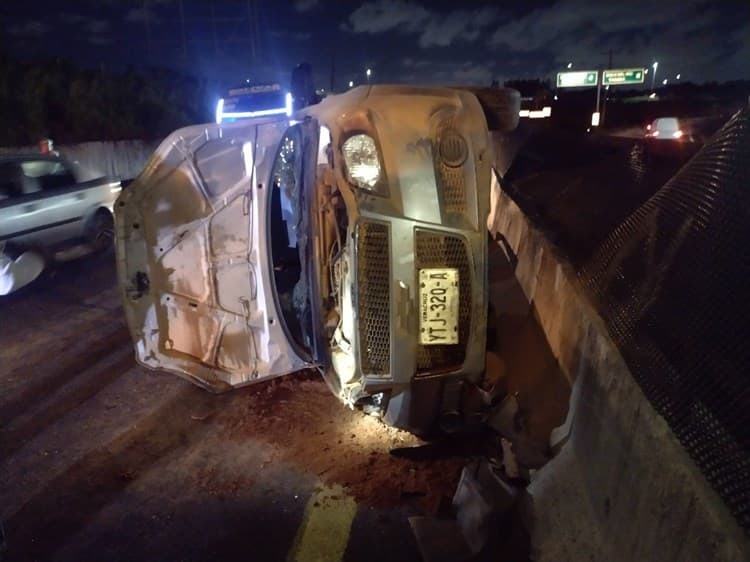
101 459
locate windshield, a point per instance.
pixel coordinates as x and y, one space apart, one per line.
288 241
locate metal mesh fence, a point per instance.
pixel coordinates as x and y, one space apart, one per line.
673 286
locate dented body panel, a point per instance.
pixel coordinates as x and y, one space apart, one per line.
201 288
192 265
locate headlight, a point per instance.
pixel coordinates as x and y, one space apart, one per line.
362 161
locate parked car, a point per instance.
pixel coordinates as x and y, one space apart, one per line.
353 242
44 207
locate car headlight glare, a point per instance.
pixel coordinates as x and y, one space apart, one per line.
362 161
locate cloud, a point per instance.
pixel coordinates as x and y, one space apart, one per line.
303 6
472 75
446 72
545 26
687 36
289 34
416 63
72 18
140 15
442 30
31 28
433 29
96 26
94 30
387 15
100 40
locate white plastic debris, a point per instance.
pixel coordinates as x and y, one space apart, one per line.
17 273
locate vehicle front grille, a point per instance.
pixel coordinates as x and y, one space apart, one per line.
454 189
374 282
450 155
443 250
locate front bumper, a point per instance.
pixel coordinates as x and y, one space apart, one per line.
430 212
389 257
420 381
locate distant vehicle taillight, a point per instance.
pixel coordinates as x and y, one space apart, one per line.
677 134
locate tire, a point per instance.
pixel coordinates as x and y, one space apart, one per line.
100 233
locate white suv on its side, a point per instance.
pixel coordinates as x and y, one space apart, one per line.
351 239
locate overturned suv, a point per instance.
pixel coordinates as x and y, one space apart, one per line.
350 239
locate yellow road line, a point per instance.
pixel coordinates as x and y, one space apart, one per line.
324 532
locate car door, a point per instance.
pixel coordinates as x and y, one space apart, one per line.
47 207
11 223
193 258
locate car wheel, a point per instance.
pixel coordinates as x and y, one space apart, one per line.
101 232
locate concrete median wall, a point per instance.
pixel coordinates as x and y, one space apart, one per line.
123 160
620 487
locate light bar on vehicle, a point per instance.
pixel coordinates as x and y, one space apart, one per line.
221 114
288 106
219 110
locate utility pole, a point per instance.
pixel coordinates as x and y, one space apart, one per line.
333 71
213 30
604 105
252 27
148 28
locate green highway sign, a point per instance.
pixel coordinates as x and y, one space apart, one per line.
577 78
623 76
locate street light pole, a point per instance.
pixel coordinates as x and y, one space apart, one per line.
598 95
653 76
368 72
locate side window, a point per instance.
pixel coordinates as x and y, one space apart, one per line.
284 177
10 180
46 175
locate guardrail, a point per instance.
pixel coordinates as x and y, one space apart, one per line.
621 486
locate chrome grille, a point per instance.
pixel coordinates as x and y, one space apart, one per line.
450 158
442 250
374 282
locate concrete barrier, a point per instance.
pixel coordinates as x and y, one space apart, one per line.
620 487
123 160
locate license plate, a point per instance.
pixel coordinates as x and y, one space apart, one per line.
438 306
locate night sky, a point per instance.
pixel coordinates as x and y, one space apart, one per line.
419 42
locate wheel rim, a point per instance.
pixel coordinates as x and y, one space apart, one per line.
104 233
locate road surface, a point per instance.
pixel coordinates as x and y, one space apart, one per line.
99 457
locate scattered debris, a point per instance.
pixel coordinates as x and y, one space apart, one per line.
439 540
495 376
480 501
504 417
510 464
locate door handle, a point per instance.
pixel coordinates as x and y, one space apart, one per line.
30 208
80 196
